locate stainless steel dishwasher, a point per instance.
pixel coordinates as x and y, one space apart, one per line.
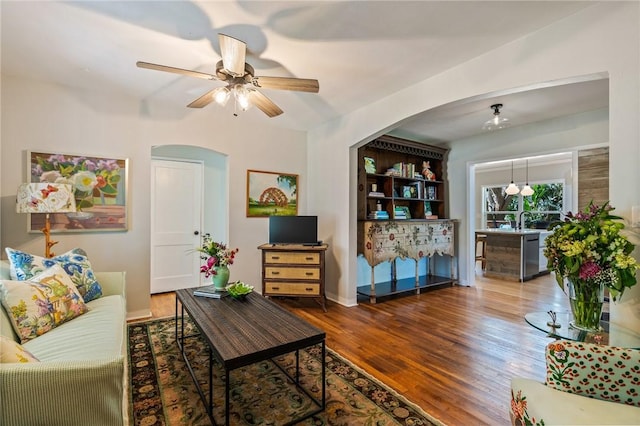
530 255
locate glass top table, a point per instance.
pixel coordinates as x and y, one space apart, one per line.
610 334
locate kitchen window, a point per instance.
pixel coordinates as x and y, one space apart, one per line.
540 209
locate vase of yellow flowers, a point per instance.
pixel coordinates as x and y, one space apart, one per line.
588 252
218 258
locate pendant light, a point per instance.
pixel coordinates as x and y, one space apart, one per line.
496 122
512 189
527 190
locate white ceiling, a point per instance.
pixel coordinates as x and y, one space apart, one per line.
359 51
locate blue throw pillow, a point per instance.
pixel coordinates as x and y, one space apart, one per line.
75 263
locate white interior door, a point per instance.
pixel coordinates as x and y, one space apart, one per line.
176 219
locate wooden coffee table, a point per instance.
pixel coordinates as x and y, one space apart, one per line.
240 333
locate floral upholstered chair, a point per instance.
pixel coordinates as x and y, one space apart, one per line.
586 384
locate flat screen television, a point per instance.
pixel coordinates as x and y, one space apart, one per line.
293 229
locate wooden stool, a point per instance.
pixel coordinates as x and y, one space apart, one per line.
481 255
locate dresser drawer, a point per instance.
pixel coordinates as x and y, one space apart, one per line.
289 258
277 272
293 270
275 287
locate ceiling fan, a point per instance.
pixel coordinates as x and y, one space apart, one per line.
241 81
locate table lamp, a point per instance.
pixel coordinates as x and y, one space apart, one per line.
45 198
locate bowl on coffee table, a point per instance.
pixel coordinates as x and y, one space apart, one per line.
239 290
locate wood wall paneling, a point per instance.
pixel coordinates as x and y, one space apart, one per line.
593 177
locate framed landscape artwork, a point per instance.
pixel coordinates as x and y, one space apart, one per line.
271 194
99 188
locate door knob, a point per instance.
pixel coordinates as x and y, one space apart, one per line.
196 232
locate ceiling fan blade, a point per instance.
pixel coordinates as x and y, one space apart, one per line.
203 100
286 83
264 104
174 70
233 54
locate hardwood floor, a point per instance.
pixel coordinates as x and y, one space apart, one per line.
452 351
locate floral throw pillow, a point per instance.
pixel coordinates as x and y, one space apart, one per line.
13 352
74 262
42 303
598 371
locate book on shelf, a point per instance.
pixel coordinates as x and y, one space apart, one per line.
431 193
392 172
379 215
376 194
410 191
209 291
401 212
407 170
431 216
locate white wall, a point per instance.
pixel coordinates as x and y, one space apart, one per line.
604 38
37 116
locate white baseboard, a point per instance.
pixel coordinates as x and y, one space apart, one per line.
139 315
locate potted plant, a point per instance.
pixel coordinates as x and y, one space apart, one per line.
588 252
218 258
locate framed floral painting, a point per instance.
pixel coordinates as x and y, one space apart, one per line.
271 194
99 188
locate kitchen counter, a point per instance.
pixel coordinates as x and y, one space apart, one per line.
512 254
510 231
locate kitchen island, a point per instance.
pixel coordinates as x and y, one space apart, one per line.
514 254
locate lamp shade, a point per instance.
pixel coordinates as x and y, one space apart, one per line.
221 95
512 189
527 190
497 122
45 198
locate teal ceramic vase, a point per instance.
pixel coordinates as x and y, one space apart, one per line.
221 277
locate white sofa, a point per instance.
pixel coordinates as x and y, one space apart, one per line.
82 376
586 384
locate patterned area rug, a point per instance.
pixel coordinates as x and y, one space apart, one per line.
163 392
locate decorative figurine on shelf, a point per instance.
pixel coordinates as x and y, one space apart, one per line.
426 171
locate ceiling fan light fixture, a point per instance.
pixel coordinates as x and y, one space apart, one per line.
221 95
496 122
236 74
242 97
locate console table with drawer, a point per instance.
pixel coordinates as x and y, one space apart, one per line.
293 270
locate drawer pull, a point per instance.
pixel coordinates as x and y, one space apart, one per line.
308 258
275 273
275 288
308 274
308 289
275 257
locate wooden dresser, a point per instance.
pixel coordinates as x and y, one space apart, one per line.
293 270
